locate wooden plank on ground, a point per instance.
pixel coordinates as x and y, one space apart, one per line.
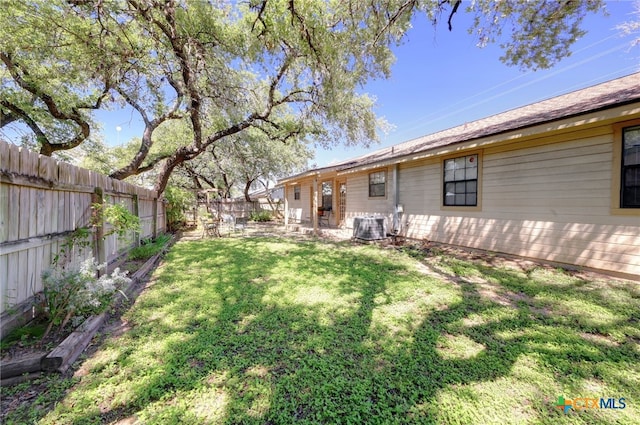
63 356
26 364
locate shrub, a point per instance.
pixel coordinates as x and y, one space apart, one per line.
260 216
76 293
149 249
178 200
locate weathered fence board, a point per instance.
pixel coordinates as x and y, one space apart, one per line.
14 213
4 212
4 279
40 200
4 156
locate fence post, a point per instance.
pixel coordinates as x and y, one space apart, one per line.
136 212
155 218
98 220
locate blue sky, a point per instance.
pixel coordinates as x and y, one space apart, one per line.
441 80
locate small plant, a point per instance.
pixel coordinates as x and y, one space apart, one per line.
79 239
260 216
179 201
150 248
25 335
119 216
75 293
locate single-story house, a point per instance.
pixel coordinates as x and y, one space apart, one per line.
557 180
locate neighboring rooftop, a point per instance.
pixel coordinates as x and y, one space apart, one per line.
602 96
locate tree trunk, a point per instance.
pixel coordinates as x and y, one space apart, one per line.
132 168
247 187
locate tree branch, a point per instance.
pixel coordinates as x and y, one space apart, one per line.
263 6
47 147
17 112
453 12
392 19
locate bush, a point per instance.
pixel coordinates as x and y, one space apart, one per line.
178 201
149 249
76 293
260 216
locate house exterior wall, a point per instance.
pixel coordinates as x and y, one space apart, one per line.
360 204
543 199
298 209
548 192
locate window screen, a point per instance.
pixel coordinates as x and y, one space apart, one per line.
630 179
461 181
377 184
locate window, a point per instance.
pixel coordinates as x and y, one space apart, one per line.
630 170
327 196
461 181
377 183
296 193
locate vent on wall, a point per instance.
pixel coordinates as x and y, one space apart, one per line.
369 228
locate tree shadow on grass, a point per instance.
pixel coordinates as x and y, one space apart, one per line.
271 331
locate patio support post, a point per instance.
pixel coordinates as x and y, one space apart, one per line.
286 207
314 206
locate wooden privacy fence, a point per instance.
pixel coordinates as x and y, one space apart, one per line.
42 201
242 208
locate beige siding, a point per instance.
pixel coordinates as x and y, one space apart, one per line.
550 202
300 210
296 206
358 201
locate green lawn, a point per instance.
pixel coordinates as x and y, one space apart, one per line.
258 330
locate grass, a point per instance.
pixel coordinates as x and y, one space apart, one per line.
27 335
40 395
275 331
150 248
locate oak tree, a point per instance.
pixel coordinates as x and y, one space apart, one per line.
287 70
